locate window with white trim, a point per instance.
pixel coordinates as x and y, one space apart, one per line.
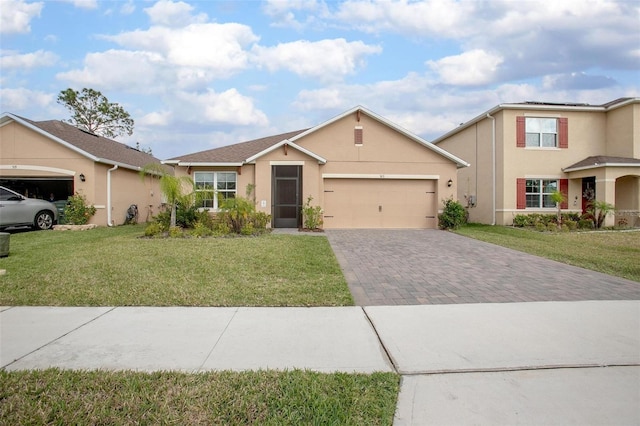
541 132
538 192
213 186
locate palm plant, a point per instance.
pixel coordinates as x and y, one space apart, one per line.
173 188
600 210
558 198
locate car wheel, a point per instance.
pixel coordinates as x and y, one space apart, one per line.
43 220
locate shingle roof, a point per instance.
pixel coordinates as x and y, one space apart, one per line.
103 149
603 160
236 153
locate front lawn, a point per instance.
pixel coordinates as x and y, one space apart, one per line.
611 252
115 267
256 397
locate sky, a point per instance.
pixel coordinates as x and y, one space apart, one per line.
196 75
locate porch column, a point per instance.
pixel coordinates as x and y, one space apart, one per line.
606 191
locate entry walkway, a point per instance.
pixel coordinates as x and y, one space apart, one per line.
505 363
415 267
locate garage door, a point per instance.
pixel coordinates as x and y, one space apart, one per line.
380 203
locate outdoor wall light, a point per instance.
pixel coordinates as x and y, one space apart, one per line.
82 178
449 183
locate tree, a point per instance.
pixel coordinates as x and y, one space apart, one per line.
173 188
558 198
93 112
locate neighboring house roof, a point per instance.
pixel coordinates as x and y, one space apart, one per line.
602 161
94 147
248 152
539 106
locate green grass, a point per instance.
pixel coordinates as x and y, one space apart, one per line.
262 397
115 267
611 252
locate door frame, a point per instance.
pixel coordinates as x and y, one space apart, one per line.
286 222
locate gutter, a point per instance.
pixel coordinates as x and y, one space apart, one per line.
493 169
109 220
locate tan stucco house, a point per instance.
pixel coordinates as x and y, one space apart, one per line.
363 170
39 158
519 153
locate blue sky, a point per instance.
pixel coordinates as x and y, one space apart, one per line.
196 75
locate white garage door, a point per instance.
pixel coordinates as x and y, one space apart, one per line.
380 203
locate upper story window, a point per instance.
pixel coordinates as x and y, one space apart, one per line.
210 186
541 132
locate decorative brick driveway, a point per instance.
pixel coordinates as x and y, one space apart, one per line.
413 267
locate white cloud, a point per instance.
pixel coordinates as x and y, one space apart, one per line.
40 58
173 14
228 107
21 99
283 13
440 18
138 72
155 119
475 67
84 4
16 16
218 48
327 60
128 8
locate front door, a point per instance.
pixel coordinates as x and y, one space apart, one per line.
287 196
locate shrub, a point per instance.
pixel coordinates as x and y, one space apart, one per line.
152 229
186 216
312 215
521 220
552 227
585 224
201 229
77 212
453 215
572 225
175 232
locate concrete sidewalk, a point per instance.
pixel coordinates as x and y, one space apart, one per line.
510 363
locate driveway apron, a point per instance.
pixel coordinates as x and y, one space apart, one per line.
414 267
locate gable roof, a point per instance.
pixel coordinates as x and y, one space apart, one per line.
231 155
89 145
540 106
596 161
248 152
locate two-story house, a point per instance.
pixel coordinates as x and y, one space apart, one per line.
521 153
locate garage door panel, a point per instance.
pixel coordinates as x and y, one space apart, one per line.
380 203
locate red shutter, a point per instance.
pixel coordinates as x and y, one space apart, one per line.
521 189
521 137
563 133
357 136
564 188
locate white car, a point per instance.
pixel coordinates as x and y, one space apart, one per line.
16 210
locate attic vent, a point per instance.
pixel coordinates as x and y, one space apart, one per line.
357 136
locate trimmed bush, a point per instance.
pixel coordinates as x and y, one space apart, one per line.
453 215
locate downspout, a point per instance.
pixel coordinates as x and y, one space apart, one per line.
109 221
493 169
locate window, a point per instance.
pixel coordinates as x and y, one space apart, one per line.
541 132
536 132
538 193
212 186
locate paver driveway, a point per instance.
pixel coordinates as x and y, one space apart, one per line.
412 267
